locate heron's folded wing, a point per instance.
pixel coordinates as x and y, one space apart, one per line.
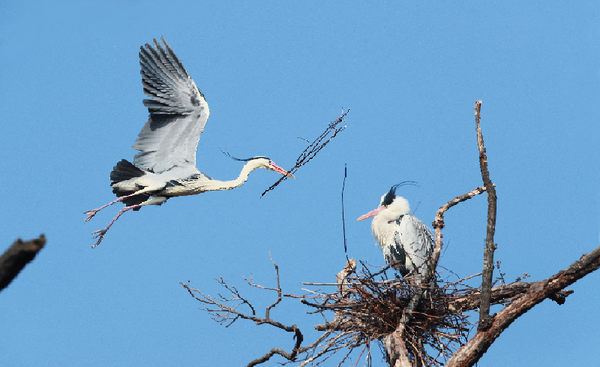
416 239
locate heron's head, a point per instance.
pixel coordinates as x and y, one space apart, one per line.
390 206
266 163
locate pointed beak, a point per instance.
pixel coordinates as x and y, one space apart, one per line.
278 169
372 213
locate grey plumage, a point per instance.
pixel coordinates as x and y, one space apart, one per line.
177 108
414 241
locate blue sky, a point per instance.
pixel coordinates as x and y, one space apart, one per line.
272 72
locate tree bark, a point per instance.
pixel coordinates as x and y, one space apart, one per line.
490 246
16 257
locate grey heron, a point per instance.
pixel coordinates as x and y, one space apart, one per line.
165 167
404 239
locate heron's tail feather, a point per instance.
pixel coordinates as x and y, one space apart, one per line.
124 170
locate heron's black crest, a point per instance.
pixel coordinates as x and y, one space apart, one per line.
249 159
389 197
242 159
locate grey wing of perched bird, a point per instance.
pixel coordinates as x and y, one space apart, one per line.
395 254
415 241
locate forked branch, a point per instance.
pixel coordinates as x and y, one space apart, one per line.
225 309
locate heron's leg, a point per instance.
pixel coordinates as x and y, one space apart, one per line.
100 233
90 213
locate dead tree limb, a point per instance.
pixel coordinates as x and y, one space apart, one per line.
289 356
438 224
499 295
490 246
472 351
16 257
225 309
278 290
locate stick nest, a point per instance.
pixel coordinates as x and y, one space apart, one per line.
372 305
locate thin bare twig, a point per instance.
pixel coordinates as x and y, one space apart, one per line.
268 311
343 212
315 147
225 309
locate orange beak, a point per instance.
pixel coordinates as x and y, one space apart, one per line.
372 213
278 169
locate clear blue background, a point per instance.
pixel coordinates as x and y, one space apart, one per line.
410 72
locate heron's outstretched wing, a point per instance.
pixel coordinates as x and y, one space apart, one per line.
178 112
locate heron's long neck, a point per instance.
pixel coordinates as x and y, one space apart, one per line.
216 185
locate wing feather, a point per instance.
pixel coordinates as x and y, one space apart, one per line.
416 239
178 112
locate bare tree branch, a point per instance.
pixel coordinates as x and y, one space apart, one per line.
289 356
500 294
16 257
278 289
472 351
438 224
225 309
490 246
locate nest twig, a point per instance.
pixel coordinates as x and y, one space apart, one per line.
334 128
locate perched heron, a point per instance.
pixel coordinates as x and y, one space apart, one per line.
404 239
165 167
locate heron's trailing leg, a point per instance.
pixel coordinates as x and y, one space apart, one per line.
91 213
99 234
